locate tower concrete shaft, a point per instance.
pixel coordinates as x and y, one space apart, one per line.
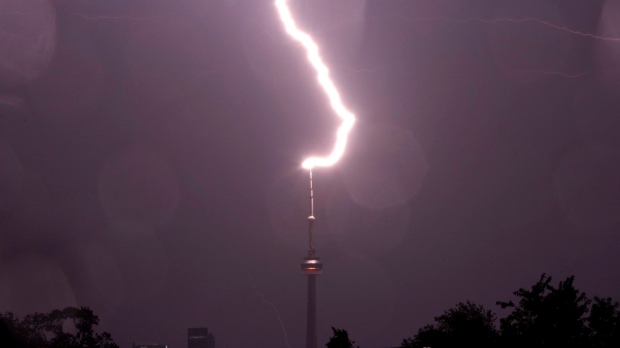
311 324
311 267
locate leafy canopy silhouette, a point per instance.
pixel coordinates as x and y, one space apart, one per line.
541 316
47 330
464 325
546 316
340 339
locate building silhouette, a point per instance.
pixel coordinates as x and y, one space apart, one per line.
148 345
200 337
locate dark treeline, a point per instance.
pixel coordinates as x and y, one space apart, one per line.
68 328
543 316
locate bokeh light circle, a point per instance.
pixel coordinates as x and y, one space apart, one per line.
138 191
587 185
34 283
596 107
27 38
103 273
351 292
11 175
169 57
74 83
288 203
607 52
360 229
385 166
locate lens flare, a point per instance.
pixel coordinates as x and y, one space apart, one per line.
312 51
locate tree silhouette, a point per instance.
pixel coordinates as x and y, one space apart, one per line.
604 323
543 316
15 334
546 316
465 325
47 330
340 339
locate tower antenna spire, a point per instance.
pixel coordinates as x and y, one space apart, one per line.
311 220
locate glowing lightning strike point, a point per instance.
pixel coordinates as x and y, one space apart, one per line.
312 50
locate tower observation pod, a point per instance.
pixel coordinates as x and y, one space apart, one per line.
311 266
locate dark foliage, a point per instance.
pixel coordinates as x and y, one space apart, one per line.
542 316
465 325
47 330
604 323
546 316
340 339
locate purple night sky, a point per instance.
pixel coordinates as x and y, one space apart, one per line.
150 158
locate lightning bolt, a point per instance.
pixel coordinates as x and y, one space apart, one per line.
545 23
515 21
312 52
553 73
119 17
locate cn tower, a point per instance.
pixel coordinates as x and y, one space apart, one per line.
311 267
